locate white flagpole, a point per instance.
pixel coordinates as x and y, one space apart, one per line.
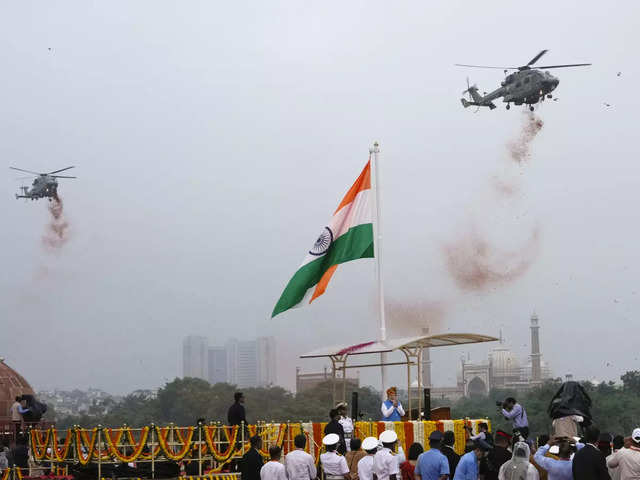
377 243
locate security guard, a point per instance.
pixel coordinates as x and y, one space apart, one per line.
334 465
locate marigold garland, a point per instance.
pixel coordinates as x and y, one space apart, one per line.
5 474
163 433
112 444
39 446
209 433
61 453
85 441
81 435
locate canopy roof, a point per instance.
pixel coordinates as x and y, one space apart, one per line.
442 340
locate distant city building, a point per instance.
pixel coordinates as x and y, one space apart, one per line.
309 381
195 361
251 363
218 365
245 363
502 369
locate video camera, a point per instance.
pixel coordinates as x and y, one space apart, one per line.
499 403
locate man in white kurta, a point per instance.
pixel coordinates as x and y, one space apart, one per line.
298 463
273 469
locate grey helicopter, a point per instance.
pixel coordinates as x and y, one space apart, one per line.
527 85
45 185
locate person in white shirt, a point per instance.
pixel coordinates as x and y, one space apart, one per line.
618 443
273 469
391 409
385 463
298 463
346 422
365 465
334 465
627 460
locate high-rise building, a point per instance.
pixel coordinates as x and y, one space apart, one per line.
266 361
245 363
251 363
218 365
195 353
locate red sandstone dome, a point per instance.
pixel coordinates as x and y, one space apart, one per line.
12 384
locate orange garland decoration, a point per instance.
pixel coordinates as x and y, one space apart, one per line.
112 444
209 432
163 433
81 435
38 445
61 454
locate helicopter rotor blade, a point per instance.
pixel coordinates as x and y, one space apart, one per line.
564 66
23 178
537 57
60 176
483 66
61 170
27 171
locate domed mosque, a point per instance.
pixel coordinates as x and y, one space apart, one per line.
502 369
12 384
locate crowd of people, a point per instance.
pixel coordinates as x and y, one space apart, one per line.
565 454
502 455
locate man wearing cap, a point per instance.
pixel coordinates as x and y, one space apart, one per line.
497 456
627 460
365 465
346 422
385 463
392 410
448 442
432 464
334 466
468 466
334 426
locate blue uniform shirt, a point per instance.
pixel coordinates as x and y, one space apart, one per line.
467 468
431 465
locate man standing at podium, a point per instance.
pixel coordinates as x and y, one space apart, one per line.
392 410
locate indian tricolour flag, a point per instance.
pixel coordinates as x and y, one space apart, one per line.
348 236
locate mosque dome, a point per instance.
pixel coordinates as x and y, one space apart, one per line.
12 384
503 362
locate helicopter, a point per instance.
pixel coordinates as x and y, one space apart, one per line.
527 85
45 185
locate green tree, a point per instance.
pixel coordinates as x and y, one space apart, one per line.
631 381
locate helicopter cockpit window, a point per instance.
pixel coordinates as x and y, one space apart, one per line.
527 80
509 79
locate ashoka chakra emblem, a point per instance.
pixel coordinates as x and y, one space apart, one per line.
322 243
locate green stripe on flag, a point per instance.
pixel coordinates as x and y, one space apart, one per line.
356 243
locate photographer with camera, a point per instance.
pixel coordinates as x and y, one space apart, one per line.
512 410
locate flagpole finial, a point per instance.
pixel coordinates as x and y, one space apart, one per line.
376 148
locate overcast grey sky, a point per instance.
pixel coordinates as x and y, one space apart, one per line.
214 139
